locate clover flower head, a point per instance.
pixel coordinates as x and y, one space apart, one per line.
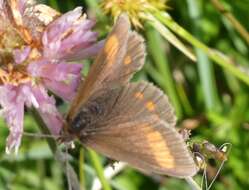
39 50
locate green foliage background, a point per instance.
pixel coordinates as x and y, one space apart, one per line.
204 92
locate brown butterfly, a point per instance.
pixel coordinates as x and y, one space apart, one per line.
131 122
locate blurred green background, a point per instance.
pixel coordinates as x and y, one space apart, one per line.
208 99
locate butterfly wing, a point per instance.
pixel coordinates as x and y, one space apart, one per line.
122 55
137 126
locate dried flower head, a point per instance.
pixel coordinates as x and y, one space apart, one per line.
36 45
134 8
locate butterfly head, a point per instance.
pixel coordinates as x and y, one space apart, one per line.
82 120
76 125
67 134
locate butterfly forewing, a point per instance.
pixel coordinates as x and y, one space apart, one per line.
110 56
131 63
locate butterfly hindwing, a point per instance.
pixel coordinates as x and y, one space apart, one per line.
141 100
136 125
151 147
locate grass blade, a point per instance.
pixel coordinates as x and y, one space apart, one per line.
99 169
162 65
218 57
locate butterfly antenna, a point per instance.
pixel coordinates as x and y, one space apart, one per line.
39 135
226 148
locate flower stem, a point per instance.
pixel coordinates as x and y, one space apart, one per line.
215 55
81 170
227 14
44 129
59 156
169 36
99 169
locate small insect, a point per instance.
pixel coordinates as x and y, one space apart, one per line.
209 150
205 151
130 122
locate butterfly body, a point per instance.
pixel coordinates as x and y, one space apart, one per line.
92 112
130 122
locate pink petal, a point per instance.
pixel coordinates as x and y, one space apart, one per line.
4 12
63 90
56 28
53 121
1 5
21 55
22 5
68 35
28 96
48 110
54 71
14 119
12 104
86 52
12 101
7 94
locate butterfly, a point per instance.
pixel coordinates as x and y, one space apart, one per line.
127 121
